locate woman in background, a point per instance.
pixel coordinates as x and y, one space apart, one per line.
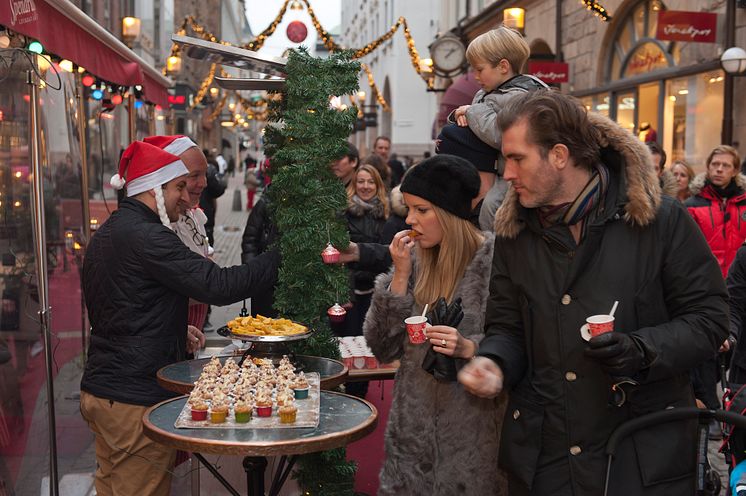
683 174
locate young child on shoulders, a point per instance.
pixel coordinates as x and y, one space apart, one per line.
497 58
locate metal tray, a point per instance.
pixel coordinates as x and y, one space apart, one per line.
225 331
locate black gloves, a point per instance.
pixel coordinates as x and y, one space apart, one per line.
620 354
443 367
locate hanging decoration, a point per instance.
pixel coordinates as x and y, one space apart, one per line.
296 31
328 41
204 87
597 9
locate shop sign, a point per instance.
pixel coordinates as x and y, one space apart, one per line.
647 57
550 72
22 12
676 25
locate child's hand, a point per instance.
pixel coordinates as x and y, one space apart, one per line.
460 115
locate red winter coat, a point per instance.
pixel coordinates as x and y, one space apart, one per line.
722 220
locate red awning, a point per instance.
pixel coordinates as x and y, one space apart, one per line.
459 93
66 31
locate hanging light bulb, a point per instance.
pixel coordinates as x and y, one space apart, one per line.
66 65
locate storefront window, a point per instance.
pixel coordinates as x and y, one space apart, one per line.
597 103
625 110
635 50
693 108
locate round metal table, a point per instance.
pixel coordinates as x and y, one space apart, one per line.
180 377
342 420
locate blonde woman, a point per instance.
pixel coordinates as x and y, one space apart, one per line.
439 438
367 211
683 173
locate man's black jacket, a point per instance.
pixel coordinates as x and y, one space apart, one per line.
137 279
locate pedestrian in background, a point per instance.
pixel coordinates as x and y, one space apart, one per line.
684 174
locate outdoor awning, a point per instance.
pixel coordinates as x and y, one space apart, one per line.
66 31
459 93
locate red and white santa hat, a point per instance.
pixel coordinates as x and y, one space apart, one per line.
176 144
144 167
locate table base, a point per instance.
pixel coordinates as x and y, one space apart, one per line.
255 466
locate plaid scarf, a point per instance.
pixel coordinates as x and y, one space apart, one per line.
585 203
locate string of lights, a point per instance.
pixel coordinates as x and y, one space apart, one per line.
597 9
204 87
374 88
218 108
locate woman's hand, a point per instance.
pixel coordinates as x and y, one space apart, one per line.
195 340
448 341
401 255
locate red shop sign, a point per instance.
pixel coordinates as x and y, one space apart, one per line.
676 25
550 72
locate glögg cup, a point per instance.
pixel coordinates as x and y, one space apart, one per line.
600 324
416 329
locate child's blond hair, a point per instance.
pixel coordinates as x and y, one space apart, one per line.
497 44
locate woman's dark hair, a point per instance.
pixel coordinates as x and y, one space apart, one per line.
554 118
381 166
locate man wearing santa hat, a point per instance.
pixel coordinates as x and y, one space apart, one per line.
137 280
191 224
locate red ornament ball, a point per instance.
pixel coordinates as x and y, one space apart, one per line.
296 31
336 313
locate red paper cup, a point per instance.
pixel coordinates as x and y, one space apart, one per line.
599 324
371 362
416 329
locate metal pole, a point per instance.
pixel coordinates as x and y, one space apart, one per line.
84 197
728 84
131 117
41 271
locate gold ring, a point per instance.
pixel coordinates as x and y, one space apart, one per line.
443 343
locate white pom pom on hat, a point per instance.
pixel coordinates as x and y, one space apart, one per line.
117 182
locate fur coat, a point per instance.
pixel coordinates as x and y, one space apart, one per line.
440 440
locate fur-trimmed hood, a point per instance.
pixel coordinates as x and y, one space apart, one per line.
643 191
668 183
699 181
398 207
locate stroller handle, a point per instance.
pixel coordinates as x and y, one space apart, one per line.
670 415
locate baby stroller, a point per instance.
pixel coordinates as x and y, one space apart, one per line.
734 434
707 481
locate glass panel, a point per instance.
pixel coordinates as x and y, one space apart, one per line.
646 57
24 422
597 103
625 110
106 139
65 248
638 18
647 113
693 117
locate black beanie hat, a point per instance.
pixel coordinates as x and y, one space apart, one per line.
462 142
446 181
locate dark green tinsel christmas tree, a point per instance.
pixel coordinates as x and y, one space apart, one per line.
305 136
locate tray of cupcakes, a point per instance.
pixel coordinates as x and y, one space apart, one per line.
256 395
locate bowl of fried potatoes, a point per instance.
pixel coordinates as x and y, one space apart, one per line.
267 329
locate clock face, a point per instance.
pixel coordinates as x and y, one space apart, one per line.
448 54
